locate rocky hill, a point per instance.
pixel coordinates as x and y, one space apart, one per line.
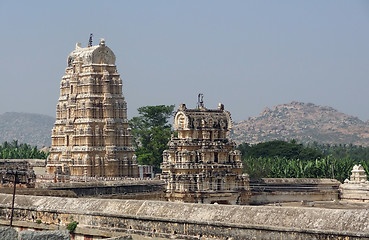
304 122
34 129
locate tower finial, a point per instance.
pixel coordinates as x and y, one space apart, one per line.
102 42
200 100
90 40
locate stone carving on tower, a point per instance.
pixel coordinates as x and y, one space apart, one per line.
91 135
201 165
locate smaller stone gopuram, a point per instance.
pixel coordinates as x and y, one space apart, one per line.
358 174
357 188
201 165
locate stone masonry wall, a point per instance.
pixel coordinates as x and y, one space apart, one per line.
192 221
8 233
107 188
279 190
355 192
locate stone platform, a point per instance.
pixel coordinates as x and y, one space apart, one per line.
280 190
192 221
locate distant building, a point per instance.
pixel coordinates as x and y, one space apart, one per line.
145 171
91 136
201 165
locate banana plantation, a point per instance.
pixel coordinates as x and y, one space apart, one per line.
278 159
281 167
14 150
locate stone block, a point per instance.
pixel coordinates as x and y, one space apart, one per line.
120 238
44 235
8 233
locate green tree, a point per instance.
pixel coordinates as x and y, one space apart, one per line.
289 150
14 150
151 132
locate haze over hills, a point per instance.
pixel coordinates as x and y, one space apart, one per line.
304 122
34 129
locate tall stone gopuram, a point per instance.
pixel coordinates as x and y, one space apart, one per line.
91 136
201 164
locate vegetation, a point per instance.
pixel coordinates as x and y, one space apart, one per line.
71 227
289 150
151 133
357 153
14 150
278 159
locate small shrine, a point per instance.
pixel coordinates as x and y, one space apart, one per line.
358 175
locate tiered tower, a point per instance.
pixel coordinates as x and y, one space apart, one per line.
201 164
91 134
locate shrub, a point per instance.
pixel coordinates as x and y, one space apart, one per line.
71 227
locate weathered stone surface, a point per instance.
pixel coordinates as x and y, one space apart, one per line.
120 238
31 162
44 235
190 220
357 188
91 136
25 174
201 164
107 188
279 190
354 192
8 233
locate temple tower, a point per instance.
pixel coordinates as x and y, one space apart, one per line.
201 165
91 135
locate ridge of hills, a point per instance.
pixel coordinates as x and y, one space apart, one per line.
31 128
304 122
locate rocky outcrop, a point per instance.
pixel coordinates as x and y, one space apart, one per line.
304 122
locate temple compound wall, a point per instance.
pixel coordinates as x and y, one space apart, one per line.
282 190
188 220
91 136
201 164
106 188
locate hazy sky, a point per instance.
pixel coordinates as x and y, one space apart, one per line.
246 54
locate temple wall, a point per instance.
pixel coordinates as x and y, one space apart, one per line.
279 190
191 221
355 192
357 188
107 188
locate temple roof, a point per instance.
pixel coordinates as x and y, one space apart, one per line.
202 118
99 54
